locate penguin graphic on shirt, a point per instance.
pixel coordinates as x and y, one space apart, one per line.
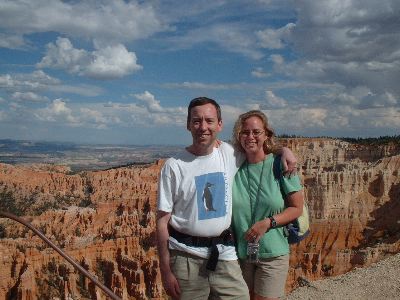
211 195
208 197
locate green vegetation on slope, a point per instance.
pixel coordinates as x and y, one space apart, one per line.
382 140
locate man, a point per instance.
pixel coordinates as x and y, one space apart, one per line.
195 246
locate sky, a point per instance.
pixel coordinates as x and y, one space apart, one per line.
123 72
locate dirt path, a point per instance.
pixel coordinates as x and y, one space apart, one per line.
378 281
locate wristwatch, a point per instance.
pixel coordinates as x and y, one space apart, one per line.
273 222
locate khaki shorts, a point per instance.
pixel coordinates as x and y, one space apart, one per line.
196 282
267 278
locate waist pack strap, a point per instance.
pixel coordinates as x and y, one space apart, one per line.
226 238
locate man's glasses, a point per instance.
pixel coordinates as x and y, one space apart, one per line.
256 133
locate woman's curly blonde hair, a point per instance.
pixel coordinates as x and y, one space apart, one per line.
269 144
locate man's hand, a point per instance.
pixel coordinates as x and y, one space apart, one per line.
169 281
289 162
171 285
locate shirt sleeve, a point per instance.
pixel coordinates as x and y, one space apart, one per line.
289 184
238 157
292 184
165 189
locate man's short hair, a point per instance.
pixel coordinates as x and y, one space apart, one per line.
202 101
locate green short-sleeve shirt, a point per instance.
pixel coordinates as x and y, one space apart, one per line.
270 202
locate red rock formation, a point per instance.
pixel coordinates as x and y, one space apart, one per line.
114 237
353 197
106 221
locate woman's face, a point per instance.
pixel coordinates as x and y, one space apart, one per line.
253 135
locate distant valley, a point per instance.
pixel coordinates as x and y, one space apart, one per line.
80 157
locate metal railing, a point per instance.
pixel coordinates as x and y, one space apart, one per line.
76 265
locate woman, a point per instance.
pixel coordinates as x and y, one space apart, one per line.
260 210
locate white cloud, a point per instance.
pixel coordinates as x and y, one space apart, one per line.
202 86
277 59
57 111
155 114
6 81
94 117
259 73
59 107
35 81
150 102
348 61
289 120
97 116
86 115
3 115
336 67
384 117
62 55
112 21
348 30
379 100
12 41
360 98
28 96
232 37
15 106
107 63
43 78
266 2
354 43
82 89
112 62
273 101
77 115
274 38
360 86
33 87
231 113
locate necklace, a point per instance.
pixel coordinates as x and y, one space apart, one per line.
253 213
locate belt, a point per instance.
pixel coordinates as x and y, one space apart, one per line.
225 238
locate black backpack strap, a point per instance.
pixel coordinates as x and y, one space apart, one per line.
277 170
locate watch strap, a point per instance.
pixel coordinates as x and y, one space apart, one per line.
273 222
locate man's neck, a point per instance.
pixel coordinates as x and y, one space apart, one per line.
200 151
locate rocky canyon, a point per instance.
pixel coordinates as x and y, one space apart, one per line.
106 221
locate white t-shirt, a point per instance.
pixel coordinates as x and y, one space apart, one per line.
197 191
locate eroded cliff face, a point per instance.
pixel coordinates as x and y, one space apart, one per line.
106 221
353 194
114 237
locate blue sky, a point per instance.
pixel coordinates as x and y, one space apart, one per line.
123 72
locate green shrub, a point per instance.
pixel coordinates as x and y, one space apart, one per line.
3 232
85 202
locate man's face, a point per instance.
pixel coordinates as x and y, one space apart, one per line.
204 125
